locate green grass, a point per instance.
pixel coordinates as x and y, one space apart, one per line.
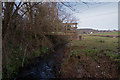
36 53
106 33
100 43
93 45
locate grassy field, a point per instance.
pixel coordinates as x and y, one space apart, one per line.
100 43
106 33
91 52
95 44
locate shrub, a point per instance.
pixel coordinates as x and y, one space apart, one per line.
44 49
36 53
101 41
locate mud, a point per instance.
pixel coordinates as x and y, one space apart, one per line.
87 67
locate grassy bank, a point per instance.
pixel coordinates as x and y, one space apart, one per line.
93 51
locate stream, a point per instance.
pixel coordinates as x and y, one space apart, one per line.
47 67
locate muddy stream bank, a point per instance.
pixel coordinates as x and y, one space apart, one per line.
45 67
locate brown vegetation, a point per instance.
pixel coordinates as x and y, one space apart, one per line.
82 66
24 33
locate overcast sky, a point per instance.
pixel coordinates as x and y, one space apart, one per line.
101 16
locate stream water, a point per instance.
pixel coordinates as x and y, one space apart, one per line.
47 67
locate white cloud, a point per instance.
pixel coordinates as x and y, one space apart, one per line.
104 16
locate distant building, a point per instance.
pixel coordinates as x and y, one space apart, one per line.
86 31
